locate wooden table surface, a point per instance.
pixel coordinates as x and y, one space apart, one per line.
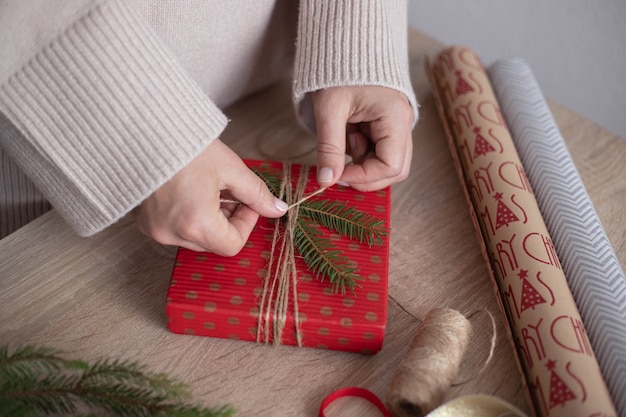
104 296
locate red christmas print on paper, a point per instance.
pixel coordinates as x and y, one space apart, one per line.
462 86
560 393
481 146
504 215
530 296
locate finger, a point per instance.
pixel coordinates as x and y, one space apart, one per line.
165 237
228 209
213 232
382 165
353 173
229 235
391 136
330 122
358 147
387 124
247 187
220 234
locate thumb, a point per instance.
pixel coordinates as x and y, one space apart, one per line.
249 189
243 184
330 122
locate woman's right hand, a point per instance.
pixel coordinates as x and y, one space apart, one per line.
186 211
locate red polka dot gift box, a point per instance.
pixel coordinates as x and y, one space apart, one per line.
265 295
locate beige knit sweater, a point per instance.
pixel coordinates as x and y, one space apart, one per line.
102 101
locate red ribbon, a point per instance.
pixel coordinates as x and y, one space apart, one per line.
363 393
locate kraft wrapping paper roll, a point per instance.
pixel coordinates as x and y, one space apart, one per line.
591 267
560 371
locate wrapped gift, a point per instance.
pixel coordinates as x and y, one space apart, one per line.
228 297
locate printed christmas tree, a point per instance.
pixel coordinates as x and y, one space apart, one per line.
481 146
560 393
504 215
530 295
462 86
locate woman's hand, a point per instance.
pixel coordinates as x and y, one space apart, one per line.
371 124
186 211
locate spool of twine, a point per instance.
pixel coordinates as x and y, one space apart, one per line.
431 364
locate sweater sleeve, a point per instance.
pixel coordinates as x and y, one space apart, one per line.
349 43
99 114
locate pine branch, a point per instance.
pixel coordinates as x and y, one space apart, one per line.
318 252
44 383
323 258
132 373
272 178
345 220
26 358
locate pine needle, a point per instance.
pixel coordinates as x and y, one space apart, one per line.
345 220
36 381
271 177
317 251
324 259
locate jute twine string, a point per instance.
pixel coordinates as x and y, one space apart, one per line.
432 362
281 275
426 372
434 358
492 346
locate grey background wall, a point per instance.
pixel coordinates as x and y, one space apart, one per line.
576 48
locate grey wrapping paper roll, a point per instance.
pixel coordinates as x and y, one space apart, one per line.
591 267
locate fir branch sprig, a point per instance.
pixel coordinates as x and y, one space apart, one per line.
346 220
317 251
271 177
324 259
37 381
28 358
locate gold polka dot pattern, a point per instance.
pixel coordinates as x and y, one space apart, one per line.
216 296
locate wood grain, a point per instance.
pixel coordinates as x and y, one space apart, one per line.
104 296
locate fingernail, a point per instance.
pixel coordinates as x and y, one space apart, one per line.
345 184
280 204
325 175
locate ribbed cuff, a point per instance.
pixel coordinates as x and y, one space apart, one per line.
351 43
105 116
